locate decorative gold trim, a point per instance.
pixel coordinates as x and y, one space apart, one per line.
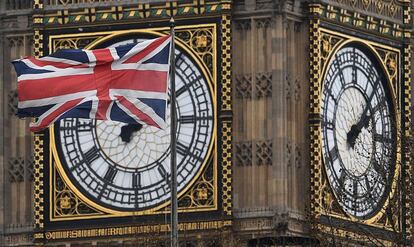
38 4
38 181
314 123
407 127
38 43
226 63
133 230
355 18
108 15
407 135
356 238
226 106
64 202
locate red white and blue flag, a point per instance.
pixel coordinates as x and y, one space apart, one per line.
126 83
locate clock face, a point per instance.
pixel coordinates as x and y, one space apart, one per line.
127 167
359 136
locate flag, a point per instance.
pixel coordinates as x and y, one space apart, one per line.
127 83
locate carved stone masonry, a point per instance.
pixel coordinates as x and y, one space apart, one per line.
264 152
293 149
29 168
243 25
243 85
243 154
16 169
12 102
292 88
263 84
18 4
263 23
15 41
298 157
289 153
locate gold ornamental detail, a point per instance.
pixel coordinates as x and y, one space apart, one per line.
66 203
227 167
73 43
226 63
38 181
201 194
38 43
201 42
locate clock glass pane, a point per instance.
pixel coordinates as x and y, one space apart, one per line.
358 132
126 167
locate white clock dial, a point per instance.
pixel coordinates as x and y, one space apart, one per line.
127 167
359 136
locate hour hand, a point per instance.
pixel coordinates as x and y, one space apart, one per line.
356 129
127 130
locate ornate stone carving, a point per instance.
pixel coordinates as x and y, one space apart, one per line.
29 168
243 85
388 8
12 102
20 169
263 84
263 22
292 88
15 41
280 222
265 4
243 25
243 154
264 152
296 89
16 169
298 157
289 153
18 4
293 154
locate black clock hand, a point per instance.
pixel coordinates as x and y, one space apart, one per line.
127 130
363 121
356 129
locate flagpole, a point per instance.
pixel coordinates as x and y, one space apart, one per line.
174 203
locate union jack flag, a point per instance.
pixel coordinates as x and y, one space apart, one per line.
126 83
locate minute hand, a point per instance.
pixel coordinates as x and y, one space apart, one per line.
363 121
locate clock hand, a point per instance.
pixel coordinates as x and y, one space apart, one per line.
356 129
127 130
363 121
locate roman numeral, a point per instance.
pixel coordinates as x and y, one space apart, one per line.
182 149
180 91
91 155
110 174
162 171
381 138
380 170
187 119
329 125
84 127
333 154
342 178
136 180
191 119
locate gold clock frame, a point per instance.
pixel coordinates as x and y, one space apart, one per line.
224 143
371 46
324 42
160 209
